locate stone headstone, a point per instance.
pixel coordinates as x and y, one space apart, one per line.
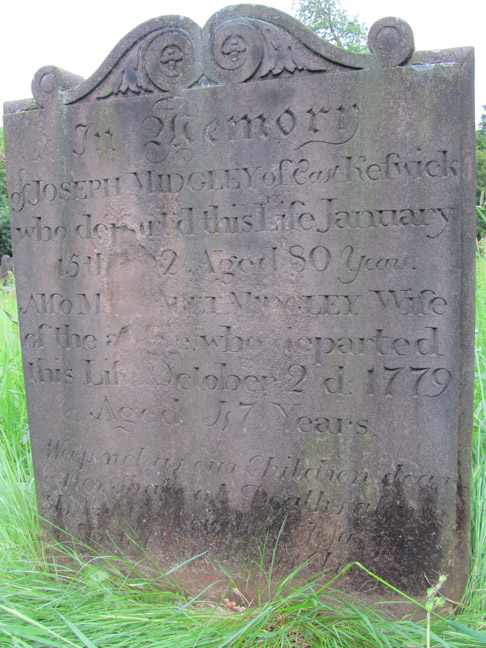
245 284
6 268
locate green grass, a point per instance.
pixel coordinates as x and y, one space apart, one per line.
98 601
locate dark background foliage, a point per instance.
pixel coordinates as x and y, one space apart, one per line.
5 240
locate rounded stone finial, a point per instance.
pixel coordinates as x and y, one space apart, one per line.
391 40
49 81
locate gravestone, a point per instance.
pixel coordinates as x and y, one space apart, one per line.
6 268
245 289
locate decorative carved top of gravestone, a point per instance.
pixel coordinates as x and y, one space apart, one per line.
246 291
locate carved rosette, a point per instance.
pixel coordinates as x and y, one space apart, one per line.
238 45
164 60
236 51
170 59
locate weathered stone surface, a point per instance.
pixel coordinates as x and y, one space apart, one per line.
244 263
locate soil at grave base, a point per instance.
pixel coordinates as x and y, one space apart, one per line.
205 575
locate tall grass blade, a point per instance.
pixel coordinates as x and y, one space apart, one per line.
87 642
37 625
474 634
